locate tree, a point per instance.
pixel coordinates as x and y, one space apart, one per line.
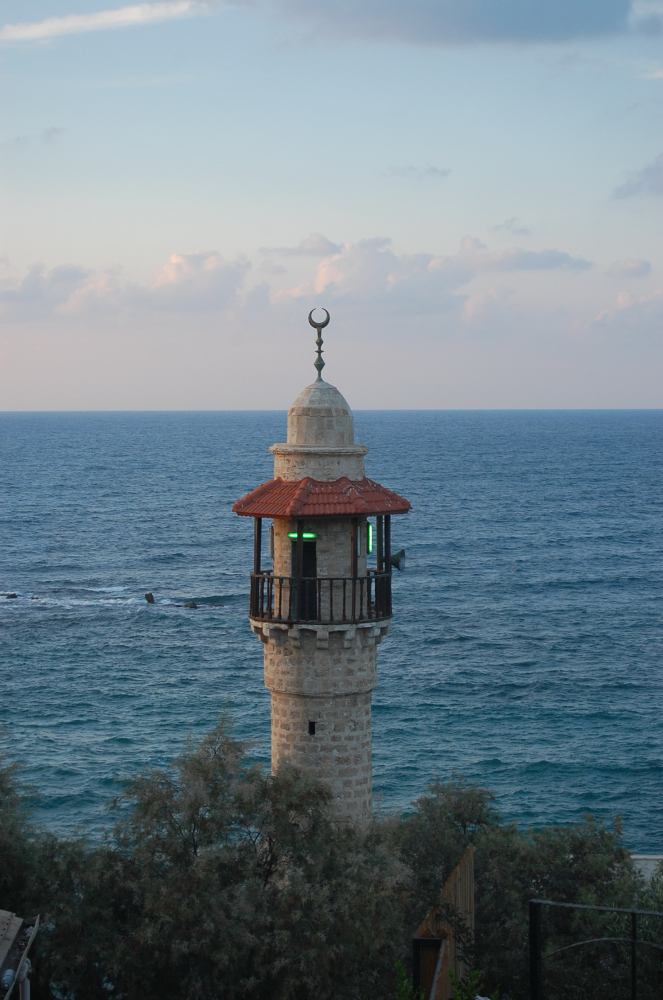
222 882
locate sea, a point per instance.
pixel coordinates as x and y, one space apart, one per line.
525 652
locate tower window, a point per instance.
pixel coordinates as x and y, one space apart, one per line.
311 728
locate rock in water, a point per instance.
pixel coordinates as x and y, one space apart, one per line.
191 604
149 598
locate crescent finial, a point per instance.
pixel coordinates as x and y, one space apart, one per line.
319 363
318 326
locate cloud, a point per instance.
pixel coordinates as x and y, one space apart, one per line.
473 254
46 137
421 173
640 314
271 267
201 280
365 273
631 268
121 17
647 17
315 245
370 272
48 288
483 306
510 226
453 22
649 180
428 22
187 282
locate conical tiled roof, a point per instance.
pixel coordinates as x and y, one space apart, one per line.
312 498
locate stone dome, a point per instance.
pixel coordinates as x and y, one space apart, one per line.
320 416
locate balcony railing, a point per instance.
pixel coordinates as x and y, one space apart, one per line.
325 600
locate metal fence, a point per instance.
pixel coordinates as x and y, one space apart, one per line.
537 958
321 599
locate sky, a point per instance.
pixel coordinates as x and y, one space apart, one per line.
472 188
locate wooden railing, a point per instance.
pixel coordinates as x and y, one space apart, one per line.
324 600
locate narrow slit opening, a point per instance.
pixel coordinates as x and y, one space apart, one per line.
311 728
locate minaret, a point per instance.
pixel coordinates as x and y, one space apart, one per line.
323 609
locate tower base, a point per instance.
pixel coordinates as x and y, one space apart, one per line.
321 679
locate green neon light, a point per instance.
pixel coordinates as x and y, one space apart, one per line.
369 538
305 534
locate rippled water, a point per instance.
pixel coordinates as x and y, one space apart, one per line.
526 647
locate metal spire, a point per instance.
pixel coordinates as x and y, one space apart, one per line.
319 363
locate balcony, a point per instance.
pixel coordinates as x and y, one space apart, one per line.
321 600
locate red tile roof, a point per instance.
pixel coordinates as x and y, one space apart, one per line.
311 498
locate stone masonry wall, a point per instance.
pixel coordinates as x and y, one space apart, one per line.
339 752
292 463
324 675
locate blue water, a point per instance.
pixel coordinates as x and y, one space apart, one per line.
526 649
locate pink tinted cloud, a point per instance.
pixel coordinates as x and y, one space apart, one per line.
371 271
643 314
202 281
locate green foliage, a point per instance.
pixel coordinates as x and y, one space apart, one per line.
15 838
404 988
220 882
469 987
586 863
434 836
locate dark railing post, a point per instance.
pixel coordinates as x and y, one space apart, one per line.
257 544
535 983
354 539
634 954
299 571
387 543
380 544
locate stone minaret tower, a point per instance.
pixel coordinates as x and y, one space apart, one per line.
322 609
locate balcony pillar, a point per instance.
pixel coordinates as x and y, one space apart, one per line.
257 544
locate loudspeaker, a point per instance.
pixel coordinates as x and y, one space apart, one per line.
398 559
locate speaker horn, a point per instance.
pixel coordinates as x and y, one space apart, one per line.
398 559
